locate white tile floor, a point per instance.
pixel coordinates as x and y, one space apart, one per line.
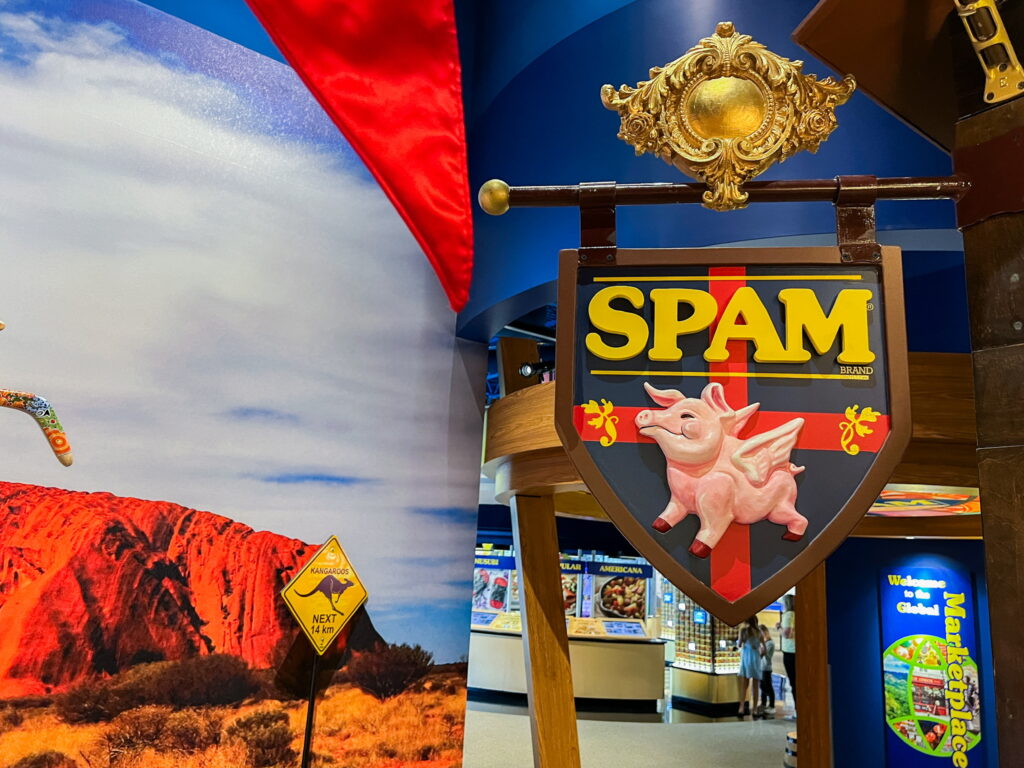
500 738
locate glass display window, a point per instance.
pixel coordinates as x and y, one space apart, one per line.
702 642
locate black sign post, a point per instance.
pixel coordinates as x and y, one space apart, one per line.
307 739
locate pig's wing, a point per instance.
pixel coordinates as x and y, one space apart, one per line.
760 455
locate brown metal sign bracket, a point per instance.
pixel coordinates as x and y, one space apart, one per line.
496 196
597 222
855 219
853 196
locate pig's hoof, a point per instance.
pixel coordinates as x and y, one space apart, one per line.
700 549
661 525
790 536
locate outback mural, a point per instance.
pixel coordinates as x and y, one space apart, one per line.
249 354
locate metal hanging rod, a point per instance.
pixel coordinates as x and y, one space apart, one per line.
496 196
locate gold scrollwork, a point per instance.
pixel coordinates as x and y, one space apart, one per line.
856 426
603 418
725 111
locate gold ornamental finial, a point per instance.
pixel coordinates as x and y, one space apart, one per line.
725 111
493 197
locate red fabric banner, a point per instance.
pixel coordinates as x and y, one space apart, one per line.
389 77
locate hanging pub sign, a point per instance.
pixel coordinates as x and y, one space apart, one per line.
734 411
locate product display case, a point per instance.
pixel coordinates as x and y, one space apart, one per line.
615 643
704 655
592 586
702 642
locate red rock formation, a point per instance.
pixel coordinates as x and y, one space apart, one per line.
91 583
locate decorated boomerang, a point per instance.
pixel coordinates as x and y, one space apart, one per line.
40 409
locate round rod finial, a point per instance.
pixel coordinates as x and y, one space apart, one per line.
493 197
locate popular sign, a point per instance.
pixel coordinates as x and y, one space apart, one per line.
324 596
735 412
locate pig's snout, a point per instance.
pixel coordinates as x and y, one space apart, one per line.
645 419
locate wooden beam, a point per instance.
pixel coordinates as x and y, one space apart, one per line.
522 422
942 396
987 146
537 473
1002 520
936 462
937 527
993 251
813 703
579 504
545 642
512 353
901 52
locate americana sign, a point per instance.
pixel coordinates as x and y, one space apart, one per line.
734 411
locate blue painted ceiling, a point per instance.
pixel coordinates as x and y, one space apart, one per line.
532 72
547 126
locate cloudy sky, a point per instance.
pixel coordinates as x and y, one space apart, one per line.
223 307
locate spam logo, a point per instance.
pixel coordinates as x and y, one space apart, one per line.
621 334
734 411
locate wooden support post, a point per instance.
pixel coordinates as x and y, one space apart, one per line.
813 706
988 148
512 353
545 642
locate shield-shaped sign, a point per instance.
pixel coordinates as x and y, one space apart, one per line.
734 411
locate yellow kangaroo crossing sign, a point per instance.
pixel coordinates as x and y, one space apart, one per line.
325 595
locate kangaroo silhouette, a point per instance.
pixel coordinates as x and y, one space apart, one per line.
330 587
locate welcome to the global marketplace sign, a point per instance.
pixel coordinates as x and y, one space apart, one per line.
929 668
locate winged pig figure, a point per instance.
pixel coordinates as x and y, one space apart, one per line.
715 474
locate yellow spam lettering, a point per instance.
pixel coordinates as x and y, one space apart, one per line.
681 312
756 327
605 317
667 325
804 316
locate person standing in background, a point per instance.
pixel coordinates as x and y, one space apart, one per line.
749 674
767 658
789 645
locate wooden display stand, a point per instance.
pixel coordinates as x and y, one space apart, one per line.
533 474
545 641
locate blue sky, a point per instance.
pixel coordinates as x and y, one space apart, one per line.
224 308
279 105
